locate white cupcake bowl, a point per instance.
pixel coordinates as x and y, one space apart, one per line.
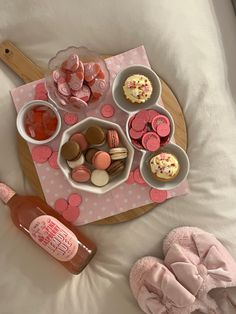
118 94
184 166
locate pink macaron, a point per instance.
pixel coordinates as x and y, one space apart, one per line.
101 160
81 174
113 138
81 140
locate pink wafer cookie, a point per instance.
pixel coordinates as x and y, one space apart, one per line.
71 63
40 154
151 141
60 205
159 120
75 199
53 160
138 177
138 124
71 213
152 114
83 93
158 196
107 111
163 129
70 118
135 135
143 115
130 122
63 87
91 70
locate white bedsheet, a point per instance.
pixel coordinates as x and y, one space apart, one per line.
192 45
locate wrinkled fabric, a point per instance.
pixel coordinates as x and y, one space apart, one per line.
192 46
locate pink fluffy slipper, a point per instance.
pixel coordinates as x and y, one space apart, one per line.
200 263
157 290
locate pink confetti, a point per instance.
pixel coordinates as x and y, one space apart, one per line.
158 196
40 154
53 160
75 199
71 118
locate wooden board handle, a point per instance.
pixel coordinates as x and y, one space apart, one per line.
19 63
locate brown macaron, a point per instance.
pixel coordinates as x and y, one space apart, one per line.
70 150
116 168
95 135
89 154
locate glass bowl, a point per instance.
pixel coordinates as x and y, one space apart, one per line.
85 55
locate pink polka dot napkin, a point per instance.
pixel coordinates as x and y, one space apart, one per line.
55 186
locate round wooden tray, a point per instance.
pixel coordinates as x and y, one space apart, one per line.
171 104
26 69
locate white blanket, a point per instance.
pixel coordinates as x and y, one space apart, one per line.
192 46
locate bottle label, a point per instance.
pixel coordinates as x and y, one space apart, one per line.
54 237
6 193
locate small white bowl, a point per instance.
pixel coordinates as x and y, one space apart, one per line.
118 93
183 170
81 127
21 116
160 110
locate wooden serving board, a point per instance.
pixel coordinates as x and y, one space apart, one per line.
29 71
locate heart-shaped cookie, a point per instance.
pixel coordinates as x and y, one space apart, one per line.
98 87
91 71
84 93
71 63
63 87
77 102
75 80
57 74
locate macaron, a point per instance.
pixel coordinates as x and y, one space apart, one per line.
101 160
89 154
113 138
99 177
76 162
118 153
81 174
70 150
116 168
81 140
95 135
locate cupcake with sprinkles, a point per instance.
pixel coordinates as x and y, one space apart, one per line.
164 166
137 88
